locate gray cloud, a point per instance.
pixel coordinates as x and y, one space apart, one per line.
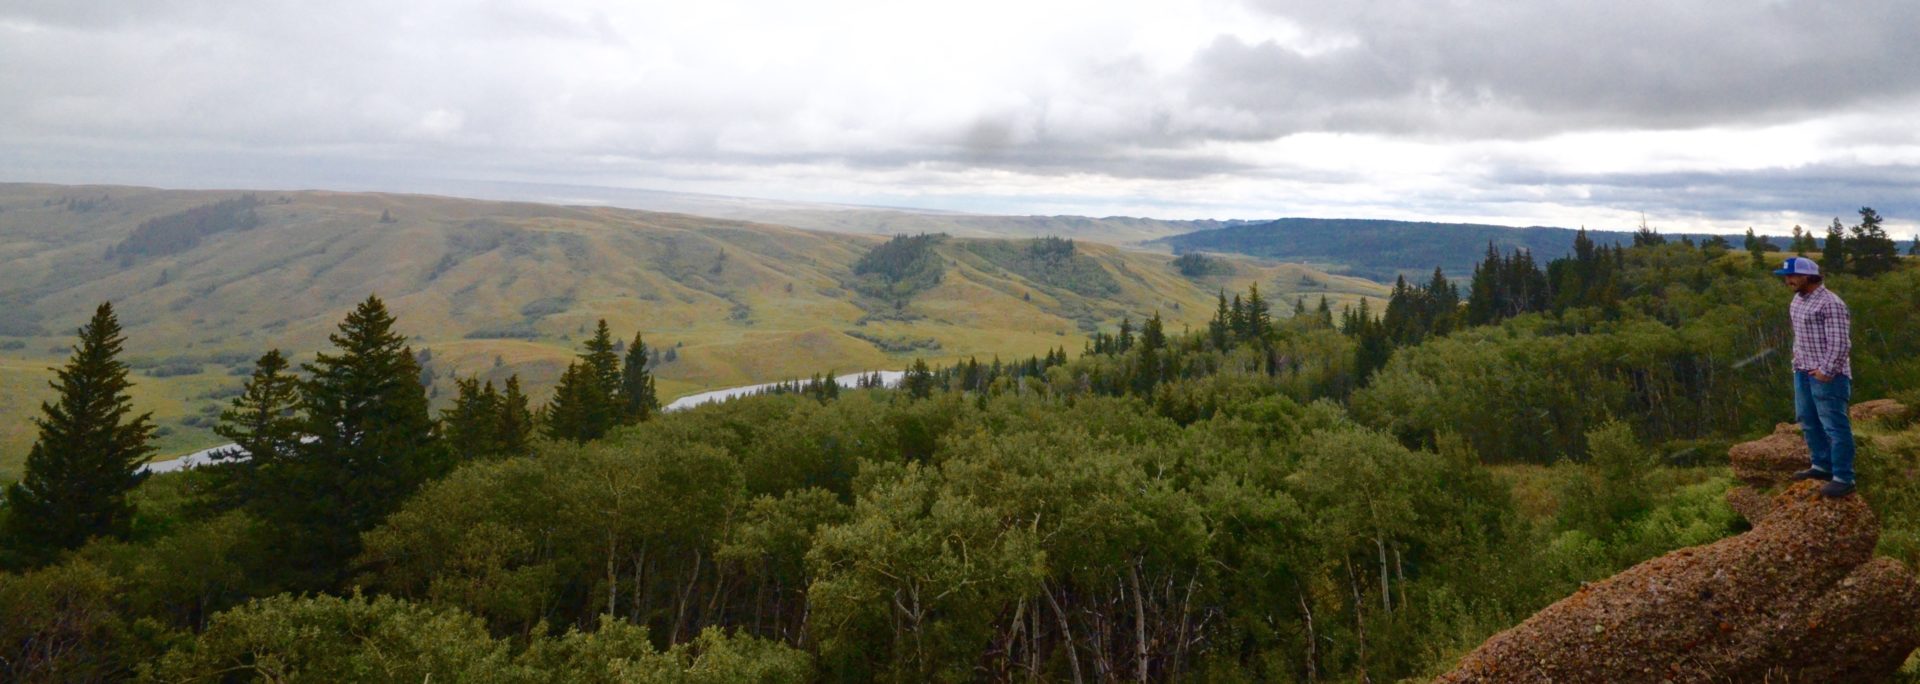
358 93
1487 68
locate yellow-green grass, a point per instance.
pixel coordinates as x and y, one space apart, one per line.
169 399
778 305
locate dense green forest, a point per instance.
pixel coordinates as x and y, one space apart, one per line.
1382 250
1347 495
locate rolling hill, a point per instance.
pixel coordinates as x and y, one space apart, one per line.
1381 250
204 281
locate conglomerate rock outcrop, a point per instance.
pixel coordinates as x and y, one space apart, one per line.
1798 598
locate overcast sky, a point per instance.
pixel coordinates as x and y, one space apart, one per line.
1702 115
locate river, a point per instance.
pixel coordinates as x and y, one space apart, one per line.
852 380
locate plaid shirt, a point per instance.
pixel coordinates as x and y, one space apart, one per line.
1820 341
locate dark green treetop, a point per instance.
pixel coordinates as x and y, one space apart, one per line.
88 454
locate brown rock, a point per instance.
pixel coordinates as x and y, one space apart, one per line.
1797 598
1878 409
1768 461
1749 503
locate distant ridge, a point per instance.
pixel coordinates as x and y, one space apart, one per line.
1382 249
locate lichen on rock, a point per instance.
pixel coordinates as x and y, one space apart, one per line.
1797 598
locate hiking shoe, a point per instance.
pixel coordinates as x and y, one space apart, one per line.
1813 474
1836 489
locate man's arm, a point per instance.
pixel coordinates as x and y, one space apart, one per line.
1836 326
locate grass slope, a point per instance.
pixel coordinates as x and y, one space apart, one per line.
497 288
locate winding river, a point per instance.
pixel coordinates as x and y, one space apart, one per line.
851 380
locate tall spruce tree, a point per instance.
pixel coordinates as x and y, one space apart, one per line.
605 363
1259 319
1219 330
1914 250
1869 249
588 401
371 443
1443 301
516 422
579 410
471 426
264 422
88 453
918 381
1833 254
639 398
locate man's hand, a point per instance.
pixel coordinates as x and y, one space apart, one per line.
1821 376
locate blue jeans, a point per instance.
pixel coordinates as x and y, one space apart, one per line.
1823 421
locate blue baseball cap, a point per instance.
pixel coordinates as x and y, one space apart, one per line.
1798 266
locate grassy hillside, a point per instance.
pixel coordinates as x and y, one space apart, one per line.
1382 250
495 288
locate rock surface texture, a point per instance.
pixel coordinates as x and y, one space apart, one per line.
1768 461
1799 598
1879 409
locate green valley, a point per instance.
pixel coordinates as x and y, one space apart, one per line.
205 281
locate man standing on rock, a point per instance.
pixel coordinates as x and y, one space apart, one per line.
1822 375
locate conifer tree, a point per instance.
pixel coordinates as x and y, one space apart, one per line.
1914 250
601 359
471 427
1757 249
88 453
1217 329
1444 303
1259 319
1483 306
640 400
919 380
1400 315
1833 255
1869 249
516 422
264 422
1803 241
1153 339
371 444
578 410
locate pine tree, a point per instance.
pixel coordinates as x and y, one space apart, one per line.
1218 330
264 422
515 422
1833 255
577 412
88 453
471 427
1153 340
372 444
1914 250
919 380
1756 248
1871 251
640 400
1443 302
605 364
1259 319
